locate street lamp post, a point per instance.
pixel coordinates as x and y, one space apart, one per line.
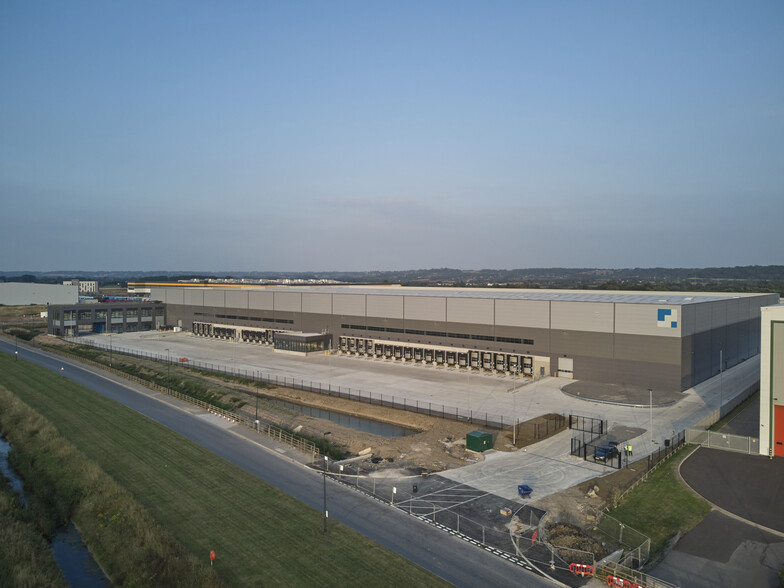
257 401
721 380
110 349
326 465
168 364
16 348
514 409
650 415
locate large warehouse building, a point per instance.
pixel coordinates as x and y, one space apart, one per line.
661 340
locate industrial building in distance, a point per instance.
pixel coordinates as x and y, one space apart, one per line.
662 340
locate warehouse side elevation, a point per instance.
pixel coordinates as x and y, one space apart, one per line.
661 340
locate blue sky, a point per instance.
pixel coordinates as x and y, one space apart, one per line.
300 136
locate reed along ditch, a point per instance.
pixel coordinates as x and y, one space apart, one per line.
347 420
69 551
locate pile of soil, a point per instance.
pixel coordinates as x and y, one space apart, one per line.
565 535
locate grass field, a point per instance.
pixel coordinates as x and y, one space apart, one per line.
261 535
662 506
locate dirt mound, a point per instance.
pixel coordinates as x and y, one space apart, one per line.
572 537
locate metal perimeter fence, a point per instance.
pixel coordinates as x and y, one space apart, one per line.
267 429
718 440
517 538
402 403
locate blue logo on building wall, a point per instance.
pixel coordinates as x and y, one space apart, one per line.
668 318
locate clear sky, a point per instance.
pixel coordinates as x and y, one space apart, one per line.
337 135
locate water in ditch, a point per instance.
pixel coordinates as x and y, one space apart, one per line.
346 420
69 551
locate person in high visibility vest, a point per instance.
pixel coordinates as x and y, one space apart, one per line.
630 449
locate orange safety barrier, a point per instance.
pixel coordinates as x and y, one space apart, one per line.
581 569
618 582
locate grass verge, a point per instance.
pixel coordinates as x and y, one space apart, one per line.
662 506
261 535
62 484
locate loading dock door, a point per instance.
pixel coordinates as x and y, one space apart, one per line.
565 367
778 430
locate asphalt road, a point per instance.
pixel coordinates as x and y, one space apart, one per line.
449 557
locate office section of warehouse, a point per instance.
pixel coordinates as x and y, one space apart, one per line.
661 340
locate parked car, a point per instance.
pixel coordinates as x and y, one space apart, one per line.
605 452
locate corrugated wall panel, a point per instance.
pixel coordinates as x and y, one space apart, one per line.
582 316
175 295
237 299
425 308
260 300
703 318
385 306
688 320
469 310
523 313
317 303
288 301
348 304
643 319
718 313
215 298
194 297
733 311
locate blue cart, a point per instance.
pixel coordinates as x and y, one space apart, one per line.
524 490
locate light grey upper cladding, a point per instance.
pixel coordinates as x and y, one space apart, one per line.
470 310
260 299
316 303
523 313
348 304
385 306
23 293
237 299
582 316
288 301
425 308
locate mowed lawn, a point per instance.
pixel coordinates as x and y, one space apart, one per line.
261 535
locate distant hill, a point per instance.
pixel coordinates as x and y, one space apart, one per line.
751 278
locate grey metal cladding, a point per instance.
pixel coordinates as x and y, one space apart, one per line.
316 303
470 310
215 298
194 296
523 313
688 320
260 300
288 301
237 299
385 306
174 295
642 319
582 316
425 308
652 350
581 343
348 304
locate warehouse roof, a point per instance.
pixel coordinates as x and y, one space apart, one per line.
628 297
